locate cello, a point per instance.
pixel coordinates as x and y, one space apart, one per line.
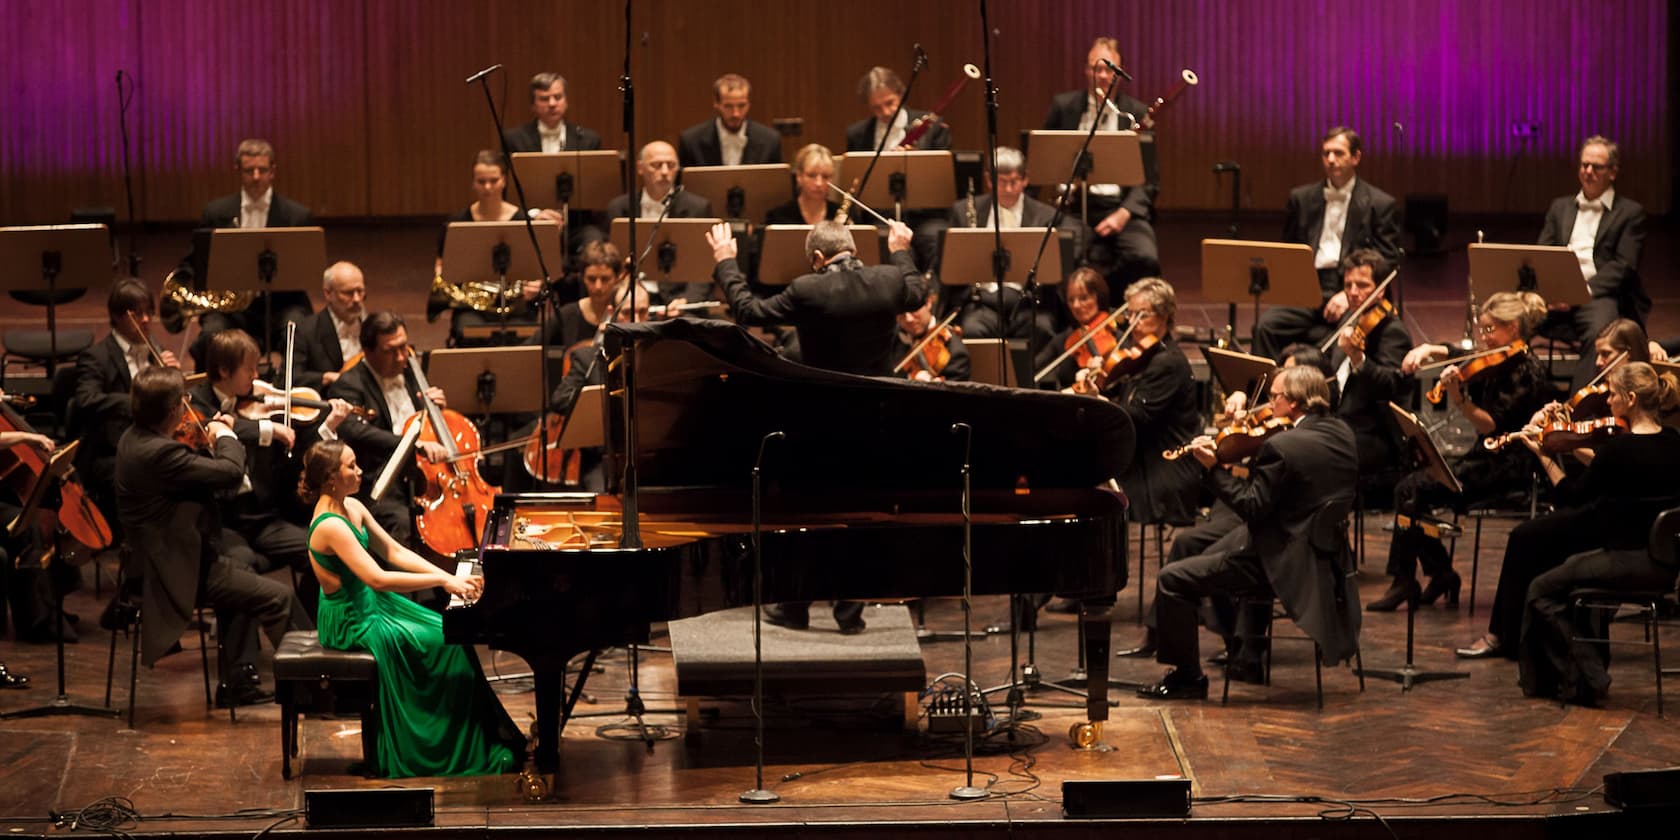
21 466
456 498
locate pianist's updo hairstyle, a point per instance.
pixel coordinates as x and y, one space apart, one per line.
320 464
1525 309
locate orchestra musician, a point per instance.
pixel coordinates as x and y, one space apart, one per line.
99 411
881 90
912 328
1294 474
1006 189
260 523
165 498
1160 398
549 131
1607 233
657 167
1086 296
585 366
255 205
25 586
603 271
1628 482
383 382
1335 216
332 336
1366 377
813 171
1501 399
1122 218
489 175
729 139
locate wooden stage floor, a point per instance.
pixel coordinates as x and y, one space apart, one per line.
1464 757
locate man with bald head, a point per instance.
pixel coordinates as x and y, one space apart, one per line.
657 167
329 337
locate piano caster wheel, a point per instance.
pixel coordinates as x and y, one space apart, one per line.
531 786
1086 736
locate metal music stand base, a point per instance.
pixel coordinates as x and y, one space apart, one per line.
1408 675
758 796
966 793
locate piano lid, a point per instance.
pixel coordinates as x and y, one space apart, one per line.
707 392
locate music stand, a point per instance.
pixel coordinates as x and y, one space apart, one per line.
1116 157
491 252
58 464
914 179
741 192
679 250
40 257
983 361
585 180
1431 452
1237 371
967 256
266 259
586 422
1554 272
784 256
489 380
1281 272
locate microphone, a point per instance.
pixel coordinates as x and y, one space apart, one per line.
1226 166
482 73
1117 69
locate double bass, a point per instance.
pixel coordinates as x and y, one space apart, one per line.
456 497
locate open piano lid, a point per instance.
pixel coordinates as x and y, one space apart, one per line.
707 392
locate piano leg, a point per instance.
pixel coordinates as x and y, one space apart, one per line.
555 704
1097 620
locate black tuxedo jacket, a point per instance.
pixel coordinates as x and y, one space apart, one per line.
685 205
846 317
1373 221
282 212
165 502
860 136
699 146
1065 110
1363 402
99 410
1034 213
317 350
1616 249
1294 473
262 463
373 440
526 138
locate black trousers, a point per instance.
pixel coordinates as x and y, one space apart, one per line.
1417 495
271 543
1221 572
1535 547
1222 520
244 602
1551 665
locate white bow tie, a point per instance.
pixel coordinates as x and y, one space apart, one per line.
1589 205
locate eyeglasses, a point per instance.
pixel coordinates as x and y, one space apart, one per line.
1487 329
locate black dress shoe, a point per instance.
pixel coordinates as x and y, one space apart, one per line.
1401 591
1447 583
1144 648
1174 687
11 680
775 614
242 695
1246 671
852 628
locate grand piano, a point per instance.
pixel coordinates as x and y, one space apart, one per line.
862 499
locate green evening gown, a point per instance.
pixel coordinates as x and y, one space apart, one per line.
437 715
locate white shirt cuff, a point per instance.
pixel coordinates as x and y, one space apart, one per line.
265 432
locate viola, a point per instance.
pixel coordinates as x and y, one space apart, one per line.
456 498
1480 364
1239 440
1095 340
22 465
1119 363
1565 436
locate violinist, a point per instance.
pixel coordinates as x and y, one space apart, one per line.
1620 341
332 336
99 410
165 498
881 91
489 182
382 382
1293 474
1124 247
1160 398
1501 398
1086 295
1609 506
1365 363
266 533
948 347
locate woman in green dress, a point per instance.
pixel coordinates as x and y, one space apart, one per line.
437 716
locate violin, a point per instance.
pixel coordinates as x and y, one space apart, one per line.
1120 362
456 498
1593 400
1361 319
1094 340
265 400
1565 436
1477 365
1369 321
21 466
932 352
191 430
1239 440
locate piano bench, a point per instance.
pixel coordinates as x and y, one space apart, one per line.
314 680
714 658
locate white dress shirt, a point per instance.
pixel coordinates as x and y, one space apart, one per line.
553 139
895 137
398 400
732 143
135 354
349 335
228 404
253 212
1588 216
1335 218
652 207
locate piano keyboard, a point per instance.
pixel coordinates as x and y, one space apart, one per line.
465 564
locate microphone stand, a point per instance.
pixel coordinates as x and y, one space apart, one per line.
123 100
758 795
483 79
1081 162
1236 209
1000 257
967 791
630 533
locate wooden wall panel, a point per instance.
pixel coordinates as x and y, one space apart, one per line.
364 98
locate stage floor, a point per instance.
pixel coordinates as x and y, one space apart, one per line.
1444 751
